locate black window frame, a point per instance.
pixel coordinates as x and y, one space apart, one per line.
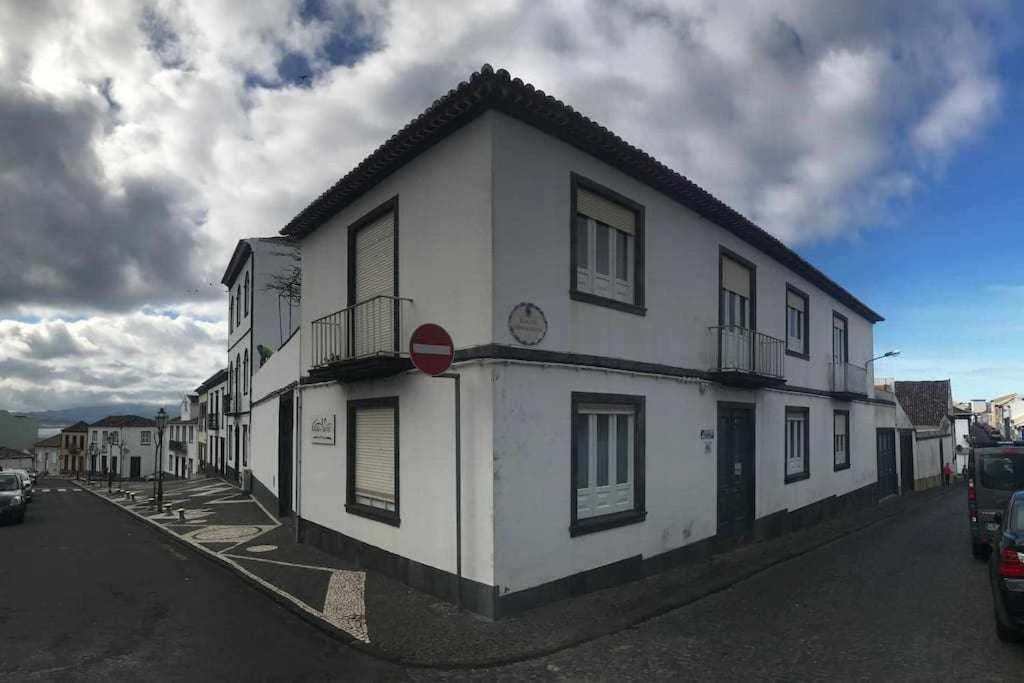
727 253
846 337
577 181
580 527
806 474
806 355
392 518
849 441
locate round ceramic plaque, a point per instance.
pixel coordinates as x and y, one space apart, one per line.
527 324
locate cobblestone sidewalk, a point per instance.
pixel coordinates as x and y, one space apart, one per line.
387 618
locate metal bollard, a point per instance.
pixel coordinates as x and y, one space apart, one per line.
181 514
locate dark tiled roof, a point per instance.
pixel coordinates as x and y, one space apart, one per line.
213 380
489 89
49 442
925 403
80 426
125 421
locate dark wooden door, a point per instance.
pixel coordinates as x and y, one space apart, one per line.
906 460
735 469
135 467
887 481
285 422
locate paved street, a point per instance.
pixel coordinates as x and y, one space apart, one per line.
90 593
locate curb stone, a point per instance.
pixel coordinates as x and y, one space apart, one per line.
702 589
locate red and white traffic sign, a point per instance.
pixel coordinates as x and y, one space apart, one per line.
431 349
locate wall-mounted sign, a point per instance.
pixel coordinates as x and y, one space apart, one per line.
707 434
527 324
322 430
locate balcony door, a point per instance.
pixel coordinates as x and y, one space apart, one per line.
736 316
372 284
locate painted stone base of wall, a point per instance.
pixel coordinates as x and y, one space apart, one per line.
484 599
265 496
476 597
927 482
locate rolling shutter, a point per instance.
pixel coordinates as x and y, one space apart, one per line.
606 211
373 323
794 301
735 278
375 457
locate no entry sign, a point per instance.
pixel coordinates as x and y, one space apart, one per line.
431 349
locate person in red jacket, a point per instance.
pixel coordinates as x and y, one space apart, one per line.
947 473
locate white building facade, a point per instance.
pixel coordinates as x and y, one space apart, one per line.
645 376
212 439
260 319
123 446
181 443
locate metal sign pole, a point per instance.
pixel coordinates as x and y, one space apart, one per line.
458 484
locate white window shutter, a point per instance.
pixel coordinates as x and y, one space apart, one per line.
375 457
606 211
375 276
735 277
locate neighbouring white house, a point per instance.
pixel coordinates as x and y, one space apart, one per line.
1005 410
261 316
48 454
929 405
181 451
123 446
645 376
73 451
212 431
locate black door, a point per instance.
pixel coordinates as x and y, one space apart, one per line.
906 460
238 457
135 467
735 469
887 482
285 420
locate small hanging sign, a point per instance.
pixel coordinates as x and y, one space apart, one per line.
527 324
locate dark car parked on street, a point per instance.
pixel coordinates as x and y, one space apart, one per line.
994 471
1007 570
12 497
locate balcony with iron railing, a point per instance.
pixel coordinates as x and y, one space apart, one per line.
363 341
212 422
847 381
177 446
747 358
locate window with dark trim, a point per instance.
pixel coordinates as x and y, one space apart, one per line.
841 439
373 456
798 313
607 461
798 438
840 338
606 254
246 294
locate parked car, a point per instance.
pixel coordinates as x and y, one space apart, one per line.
993 473
26 483
12 497
1006 571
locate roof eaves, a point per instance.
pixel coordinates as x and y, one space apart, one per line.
489 89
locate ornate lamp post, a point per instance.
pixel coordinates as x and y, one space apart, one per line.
158 494
92 460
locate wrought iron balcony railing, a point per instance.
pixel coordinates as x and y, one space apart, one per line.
178 446
213 421
368 329
846 378
745 352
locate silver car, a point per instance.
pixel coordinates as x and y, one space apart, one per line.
26 482
12 497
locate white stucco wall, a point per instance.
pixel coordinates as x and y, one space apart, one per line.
532 245
131 439
532 460
47 459
281 370
426 469
444 241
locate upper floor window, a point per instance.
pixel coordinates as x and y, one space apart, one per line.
231 314
840 339
735 300
245 373
92 436
238 306
246 297
113 437
606 247
797 327
145 438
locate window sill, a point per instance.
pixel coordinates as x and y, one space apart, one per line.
375 514
839 468
594 524
790 478
589 298
797 354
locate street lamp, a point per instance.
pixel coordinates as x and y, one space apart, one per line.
887 354
92 460
158 494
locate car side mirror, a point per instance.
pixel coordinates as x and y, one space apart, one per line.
998 518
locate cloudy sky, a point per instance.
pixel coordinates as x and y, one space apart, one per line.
142 139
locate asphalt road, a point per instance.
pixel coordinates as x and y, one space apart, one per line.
88 593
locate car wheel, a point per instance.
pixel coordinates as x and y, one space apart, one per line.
1006 634
980 551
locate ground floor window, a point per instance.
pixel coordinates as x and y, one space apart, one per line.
841 439
607 461
373 456
797 443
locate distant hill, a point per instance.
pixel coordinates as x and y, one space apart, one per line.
90 414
